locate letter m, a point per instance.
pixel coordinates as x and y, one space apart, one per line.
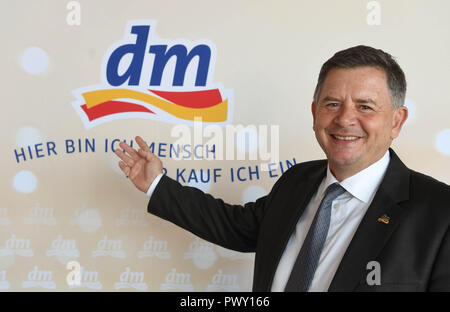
183 59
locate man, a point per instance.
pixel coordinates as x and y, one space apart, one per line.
326 224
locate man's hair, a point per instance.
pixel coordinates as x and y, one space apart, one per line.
367 56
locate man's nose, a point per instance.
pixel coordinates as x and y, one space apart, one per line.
346 115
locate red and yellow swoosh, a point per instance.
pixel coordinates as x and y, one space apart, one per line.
207 104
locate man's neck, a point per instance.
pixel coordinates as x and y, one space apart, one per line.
342 172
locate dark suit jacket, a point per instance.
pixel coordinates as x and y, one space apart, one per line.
413 249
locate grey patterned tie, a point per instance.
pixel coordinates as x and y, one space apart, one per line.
305 266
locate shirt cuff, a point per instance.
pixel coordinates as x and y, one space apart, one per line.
154 184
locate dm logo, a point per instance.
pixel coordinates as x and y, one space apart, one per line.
147 77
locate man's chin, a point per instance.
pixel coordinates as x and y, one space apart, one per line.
343 161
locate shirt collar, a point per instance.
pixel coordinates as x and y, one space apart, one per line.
364 184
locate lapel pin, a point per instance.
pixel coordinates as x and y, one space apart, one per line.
384 218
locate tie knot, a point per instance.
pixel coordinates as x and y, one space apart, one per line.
333 191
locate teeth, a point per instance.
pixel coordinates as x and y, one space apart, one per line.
346 138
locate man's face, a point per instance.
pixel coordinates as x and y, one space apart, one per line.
354 120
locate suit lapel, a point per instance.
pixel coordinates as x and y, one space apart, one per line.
372 234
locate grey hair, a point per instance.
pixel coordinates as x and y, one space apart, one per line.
367 56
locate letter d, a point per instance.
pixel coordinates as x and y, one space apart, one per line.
32 274
124 277
170 277
137 50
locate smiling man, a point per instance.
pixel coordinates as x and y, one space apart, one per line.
355 119
326 222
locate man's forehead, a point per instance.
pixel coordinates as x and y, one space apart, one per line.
356 73
361 82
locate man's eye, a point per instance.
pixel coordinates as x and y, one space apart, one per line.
333 104
365 107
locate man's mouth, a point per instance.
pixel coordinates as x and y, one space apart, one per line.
345 137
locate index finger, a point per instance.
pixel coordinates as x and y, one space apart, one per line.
131 151
142 144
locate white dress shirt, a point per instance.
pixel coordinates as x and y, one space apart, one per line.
153 185
347 212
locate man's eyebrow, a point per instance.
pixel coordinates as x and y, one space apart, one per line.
365 101
358 100
330 98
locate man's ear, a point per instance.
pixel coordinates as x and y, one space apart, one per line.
399 118
313 111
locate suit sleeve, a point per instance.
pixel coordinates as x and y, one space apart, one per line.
440 278
231 226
